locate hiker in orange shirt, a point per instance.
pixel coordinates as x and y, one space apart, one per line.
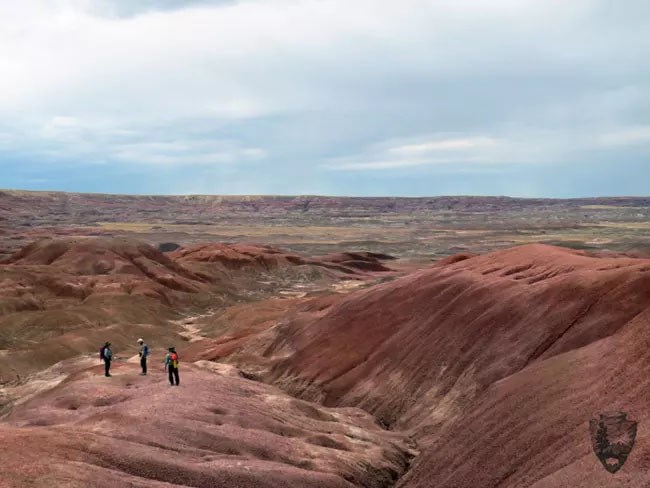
171 363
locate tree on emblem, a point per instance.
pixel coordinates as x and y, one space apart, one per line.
602 442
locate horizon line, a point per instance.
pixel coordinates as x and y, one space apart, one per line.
323 195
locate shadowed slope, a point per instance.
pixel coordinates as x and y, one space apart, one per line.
417 350
532 428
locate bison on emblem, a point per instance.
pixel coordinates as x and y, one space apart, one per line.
612 436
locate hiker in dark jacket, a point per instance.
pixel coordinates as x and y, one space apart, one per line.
171 363
106 355
144 353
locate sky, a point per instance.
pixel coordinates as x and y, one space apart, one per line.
526 98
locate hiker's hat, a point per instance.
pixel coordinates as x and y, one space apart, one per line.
140 340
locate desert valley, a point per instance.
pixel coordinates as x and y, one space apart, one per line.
451 342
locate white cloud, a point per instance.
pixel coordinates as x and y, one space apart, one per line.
434 150
256 57
628 136
186 152
294 82
444 145
102 141
462 152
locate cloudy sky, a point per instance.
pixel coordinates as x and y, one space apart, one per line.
340 97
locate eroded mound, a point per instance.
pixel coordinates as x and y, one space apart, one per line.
216 429
256 257
106 256
442 335
445 354
59 298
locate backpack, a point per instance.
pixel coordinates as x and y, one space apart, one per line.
173 359
101 353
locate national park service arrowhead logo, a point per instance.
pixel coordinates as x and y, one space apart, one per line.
612 436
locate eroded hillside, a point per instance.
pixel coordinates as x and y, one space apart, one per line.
475 371
495 364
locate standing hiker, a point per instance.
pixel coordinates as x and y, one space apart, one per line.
106 355
171 363
144 353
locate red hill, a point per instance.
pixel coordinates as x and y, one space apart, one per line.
265 258
495 363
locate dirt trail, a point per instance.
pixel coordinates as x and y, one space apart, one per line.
191 331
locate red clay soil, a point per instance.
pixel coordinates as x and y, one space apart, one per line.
439 336
532 428
217 429
235 330
424 351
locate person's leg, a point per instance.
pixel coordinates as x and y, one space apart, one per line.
170 371
143 365
178 381
107 368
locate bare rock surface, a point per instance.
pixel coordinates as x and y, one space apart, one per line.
216 429
494 363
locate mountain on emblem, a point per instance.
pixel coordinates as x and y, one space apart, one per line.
612 436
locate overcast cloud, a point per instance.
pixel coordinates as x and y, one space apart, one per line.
364 97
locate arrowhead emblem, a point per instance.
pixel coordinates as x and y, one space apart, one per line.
612 436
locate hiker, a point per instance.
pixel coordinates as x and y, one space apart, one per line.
106 355
144 353
171 363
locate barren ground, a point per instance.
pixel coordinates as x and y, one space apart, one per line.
325 342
